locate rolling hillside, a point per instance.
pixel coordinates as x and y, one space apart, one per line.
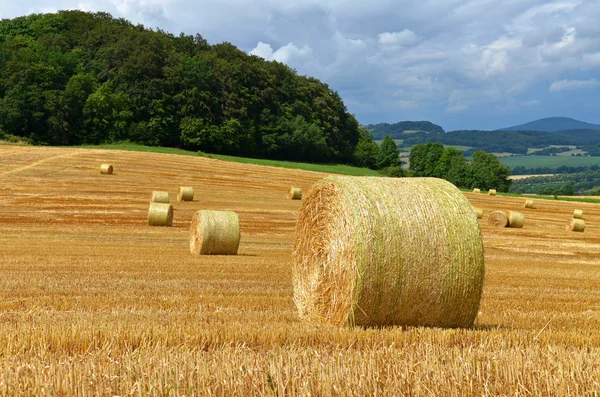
553 124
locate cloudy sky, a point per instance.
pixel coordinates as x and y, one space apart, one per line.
463 64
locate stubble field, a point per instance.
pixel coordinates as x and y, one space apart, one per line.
95 302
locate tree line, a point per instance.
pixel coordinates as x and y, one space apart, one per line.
74 77
581 183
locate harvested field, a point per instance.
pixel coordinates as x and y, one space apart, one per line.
95 302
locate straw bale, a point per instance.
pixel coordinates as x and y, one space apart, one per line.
516 219
186 193
295 193
492 192
498 219
476 190
576 225
578 214
159 197
374 251
106 169
529 203
215 233
479 212
160 214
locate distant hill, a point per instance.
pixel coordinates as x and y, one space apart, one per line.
401 129
553 124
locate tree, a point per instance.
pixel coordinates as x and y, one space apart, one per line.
487 172
389 155
366 151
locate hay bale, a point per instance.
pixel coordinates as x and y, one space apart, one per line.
578 214
295 193
529 203
479 212
160 214
515 219
215 233
576 225
159 197
498 219
387 251
106 169
476 190
492 192
186 193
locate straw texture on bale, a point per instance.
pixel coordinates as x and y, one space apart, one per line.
106 169
160 214
479 212
295 193
498 219
576 225
515 219
578 214
476 190
160 197
492 192
215 233
529 203
387 251
186 193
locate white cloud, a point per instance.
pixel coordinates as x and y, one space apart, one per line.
568 85
404 38
284 54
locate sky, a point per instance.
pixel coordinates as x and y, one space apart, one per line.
462 64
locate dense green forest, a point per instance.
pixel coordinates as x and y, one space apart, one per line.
582 183
85 78
397 130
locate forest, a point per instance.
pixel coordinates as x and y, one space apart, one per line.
581 183
73 78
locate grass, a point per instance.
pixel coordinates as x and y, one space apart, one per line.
549 161
325 168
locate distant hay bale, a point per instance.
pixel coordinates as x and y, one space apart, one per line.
498 219
576 225
160 214
515 219
529 203
476 190
479 212
578 214
492 192
106 169
295 193
160 197
186 193
387 251
215 233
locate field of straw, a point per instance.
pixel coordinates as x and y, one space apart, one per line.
93 301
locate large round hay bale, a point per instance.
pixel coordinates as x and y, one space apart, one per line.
492 192
576 225
515 219
159 197
578 214
160 214
476 190
479 212
295 193
186 193
498 219
387 251
106 169
529 203
215 233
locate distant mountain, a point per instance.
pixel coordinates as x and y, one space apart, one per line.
403 128
553 124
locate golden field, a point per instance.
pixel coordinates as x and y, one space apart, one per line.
93 302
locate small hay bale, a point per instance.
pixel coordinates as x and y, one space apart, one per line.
160 214
498 219
492 192
215 233
295 193
186 193
515 219
578 214
159 197
387 251
529 203
576 225
476 190
479 212
106 169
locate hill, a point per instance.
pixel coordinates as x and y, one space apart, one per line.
403 128
553 124
75 78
